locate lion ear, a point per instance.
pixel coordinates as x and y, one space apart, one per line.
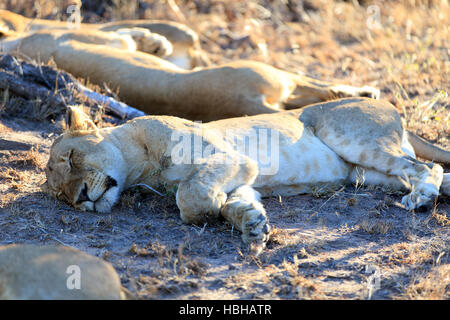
77 120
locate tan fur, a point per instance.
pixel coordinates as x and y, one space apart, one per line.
319 145
43 272
159 87
427 151
186 53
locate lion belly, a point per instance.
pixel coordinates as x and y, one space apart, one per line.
300 166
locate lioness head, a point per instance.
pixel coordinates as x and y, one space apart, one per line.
85 169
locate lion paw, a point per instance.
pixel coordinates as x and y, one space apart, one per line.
148 42
155 44
416 200
255 225
343 91
245 211
425 187
369 92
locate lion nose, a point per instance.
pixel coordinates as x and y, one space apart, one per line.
110 182
83 196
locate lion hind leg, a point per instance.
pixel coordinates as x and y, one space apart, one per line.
343 91
363 176
308 91
372 138
422 179
246 213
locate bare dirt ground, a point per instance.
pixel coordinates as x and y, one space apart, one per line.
354 243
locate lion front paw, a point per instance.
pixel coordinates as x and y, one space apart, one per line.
156 44
245 211
344 91
149 42
369 92
255 225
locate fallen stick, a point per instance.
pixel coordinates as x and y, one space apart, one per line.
34 81
27 89
118 108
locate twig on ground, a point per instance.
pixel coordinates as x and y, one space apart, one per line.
32 81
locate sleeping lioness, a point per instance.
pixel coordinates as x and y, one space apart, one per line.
173 41
222 167
159 87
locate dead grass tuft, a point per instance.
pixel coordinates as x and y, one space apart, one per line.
292 282
34 158
412 254
375 226
433 285
440 217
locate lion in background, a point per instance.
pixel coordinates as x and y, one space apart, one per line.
173 41
114 53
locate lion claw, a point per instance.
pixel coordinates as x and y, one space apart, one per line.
253 224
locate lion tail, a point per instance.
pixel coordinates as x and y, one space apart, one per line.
426 150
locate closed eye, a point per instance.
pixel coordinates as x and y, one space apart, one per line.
70 160
61 196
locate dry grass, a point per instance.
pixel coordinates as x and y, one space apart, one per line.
440 217
432 285
33 158
416 254
375 226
